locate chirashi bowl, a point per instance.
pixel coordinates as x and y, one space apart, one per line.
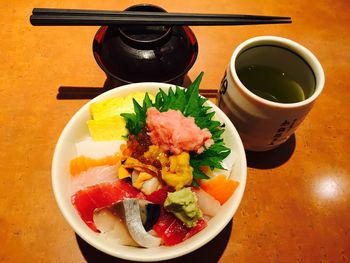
76 130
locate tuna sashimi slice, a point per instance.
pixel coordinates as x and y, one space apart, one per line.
172 230
159 196
101 195
201 224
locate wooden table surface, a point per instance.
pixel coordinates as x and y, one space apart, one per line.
296 206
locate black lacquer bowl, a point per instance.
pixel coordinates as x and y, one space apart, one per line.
129 54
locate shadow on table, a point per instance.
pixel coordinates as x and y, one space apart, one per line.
76 93
272 158
210 253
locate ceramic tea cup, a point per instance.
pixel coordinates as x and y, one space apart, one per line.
268 88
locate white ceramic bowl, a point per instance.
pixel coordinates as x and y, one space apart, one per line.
76 130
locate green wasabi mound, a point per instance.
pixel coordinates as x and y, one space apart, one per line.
183 204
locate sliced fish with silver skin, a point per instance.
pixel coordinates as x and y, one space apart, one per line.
112 227
134 224
125 222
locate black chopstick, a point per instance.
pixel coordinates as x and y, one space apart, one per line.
56 17
106 20
86 12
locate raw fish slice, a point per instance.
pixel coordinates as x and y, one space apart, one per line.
159 196
206 203
94 175
134 224
101 195
127 222
201 224
112 227
172 230
98 149
82 163
85 207
104 194
219 187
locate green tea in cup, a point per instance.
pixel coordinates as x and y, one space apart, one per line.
268 88
288 79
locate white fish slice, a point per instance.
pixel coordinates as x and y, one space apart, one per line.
98 149
125 217
112 227
206 203
93 176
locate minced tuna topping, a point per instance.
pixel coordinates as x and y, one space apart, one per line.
174 132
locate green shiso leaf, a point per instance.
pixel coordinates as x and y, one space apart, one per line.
190 103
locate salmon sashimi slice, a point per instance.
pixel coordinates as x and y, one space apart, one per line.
82 163
219 187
